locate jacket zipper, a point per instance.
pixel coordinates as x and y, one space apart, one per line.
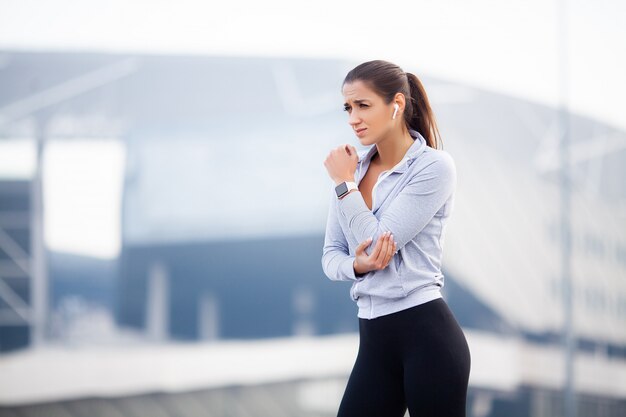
380 178
374 189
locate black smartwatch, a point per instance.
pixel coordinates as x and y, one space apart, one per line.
344 188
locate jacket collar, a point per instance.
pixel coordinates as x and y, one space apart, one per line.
418 146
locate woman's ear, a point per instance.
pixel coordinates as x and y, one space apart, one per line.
401 100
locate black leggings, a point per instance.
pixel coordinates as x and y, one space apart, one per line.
416 357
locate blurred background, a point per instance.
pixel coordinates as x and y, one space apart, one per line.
163 201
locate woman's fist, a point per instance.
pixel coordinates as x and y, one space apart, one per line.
341 163
379 258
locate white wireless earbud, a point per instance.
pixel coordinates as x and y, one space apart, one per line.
396 107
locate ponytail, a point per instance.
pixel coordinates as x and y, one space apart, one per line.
387 80
419 115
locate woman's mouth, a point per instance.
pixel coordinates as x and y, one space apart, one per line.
361 132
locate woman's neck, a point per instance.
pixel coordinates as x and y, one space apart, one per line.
392 149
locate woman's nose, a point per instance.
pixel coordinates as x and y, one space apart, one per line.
354 119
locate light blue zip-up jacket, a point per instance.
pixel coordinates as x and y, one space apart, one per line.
413 200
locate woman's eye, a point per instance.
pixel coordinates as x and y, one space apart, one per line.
360 105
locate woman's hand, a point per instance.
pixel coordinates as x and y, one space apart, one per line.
341 163
379 258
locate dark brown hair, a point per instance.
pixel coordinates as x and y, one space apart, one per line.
387 79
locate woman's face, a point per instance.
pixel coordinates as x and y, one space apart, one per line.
370 116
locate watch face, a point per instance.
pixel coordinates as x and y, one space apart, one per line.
341 189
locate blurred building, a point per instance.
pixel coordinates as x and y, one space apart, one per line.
225 201
15 250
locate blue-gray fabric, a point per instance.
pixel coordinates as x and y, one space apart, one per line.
413 200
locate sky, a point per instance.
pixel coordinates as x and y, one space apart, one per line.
510 46
513 47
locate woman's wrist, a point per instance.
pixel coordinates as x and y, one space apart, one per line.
357 271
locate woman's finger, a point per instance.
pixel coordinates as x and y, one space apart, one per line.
377 249
380 258
362 246
391 249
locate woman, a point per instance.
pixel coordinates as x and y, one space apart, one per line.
385 234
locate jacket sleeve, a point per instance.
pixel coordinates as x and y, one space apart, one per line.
411 209
336 260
